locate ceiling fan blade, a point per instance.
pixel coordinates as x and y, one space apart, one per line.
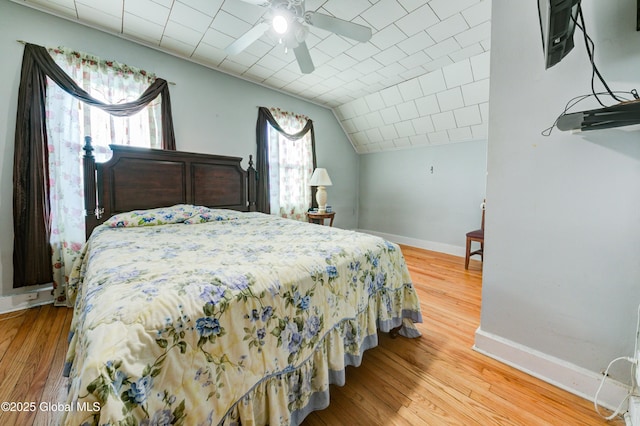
304 58
339 26
247 39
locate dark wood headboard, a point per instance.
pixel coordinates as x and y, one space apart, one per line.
142 178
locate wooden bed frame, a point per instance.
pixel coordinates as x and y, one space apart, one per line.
163 178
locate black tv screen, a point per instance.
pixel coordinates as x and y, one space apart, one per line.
557 24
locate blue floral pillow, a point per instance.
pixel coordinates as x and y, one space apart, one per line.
160 216
212 215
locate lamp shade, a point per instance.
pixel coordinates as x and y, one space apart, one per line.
320 177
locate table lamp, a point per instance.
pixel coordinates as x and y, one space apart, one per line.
320 178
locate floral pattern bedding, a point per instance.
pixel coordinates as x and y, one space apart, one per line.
241 318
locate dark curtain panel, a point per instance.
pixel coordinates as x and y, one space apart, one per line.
31 251
262 155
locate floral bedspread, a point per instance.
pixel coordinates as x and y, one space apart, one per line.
245 318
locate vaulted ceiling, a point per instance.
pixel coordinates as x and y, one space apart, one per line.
422 78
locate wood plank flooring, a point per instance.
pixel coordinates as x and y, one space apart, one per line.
434 380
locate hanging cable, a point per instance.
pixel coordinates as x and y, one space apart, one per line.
590 46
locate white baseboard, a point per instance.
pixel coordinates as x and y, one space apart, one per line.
560 373
423 244
27 299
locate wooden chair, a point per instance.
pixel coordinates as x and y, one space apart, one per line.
477 236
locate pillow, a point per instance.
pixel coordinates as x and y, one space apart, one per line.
160 216
212 215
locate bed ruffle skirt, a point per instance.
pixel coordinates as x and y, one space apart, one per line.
290 396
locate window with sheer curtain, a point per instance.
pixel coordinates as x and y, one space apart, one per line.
290 166
68 120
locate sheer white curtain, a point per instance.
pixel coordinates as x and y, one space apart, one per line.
68 121
290 167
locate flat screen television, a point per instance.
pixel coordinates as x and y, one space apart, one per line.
557 24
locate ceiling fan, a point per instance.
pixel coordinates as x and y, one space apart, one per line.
285 20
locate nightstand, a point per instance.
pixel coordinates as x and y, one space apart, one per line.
315 217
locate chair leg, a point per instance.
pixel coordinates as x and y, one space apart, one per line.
466 259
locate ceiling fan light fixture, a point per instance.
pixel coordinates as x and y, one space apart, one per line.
280 24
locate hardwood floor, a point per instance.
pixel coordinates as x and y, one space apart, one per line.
434 380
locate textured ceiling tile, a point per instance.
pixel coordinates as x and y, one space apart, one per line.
480 66
99 18
476 92
478 13
177 46
390 115
437 64
467 52
443 48
112 7
389 56
458 73
405 129
383 13
448 28
141 28
374 135
389 132
333 45
411 5
479 131
432 82
474 35
183 34
415 60
423 125
217 39
247 12
407 110
402 142
392 73
419 140
374 101
346 10
66 8
362 51
374 119
418 20
427 105
148 10
450 99
444 121
410 89
387 37
446 8
391 96
189 17
209 54
415 43
438 138
230 25
342 62
208 7
460 134
467 116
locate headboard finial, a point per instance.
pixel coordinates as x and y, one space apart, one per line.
88 148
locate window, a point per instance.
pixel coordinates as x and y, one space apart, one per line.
291 163
68 120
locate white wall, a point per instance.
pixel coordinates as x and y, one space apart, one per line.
213 112
427 197
562 259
